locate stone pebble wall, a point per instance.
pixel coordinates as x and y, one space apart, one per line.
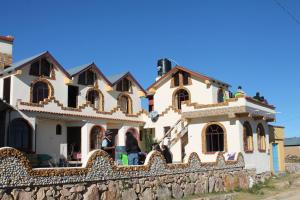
99 178
162 187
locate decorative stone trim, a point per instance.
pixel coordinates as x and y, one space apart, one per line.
203 137
101 167
79 109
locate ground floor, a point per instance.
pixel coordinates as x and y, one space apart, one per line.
63 139
208 136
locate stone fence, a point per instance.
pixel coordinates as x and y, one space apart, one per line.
99 178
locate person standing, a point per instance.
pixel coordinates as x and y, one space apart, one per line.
132 149
166 153
108 145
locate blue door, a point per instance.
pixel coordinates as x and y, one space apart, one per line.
275 157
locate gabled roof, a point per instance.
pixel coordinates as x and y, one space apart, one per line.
22 63
294 141
77 70
180 68
117 77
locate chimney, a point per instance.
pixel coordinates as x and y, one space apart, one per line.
163 66
6 47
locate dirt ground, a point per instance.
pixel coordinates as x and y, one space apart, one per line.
282 188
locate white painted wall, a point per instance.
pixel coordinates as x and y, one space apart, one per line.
47 140
21 86
200 93
258 160
6 47
195 129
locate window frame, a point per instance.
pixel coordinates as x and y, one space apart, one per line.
204 137
129 103
40 71
86 79
35 91
177 100
58 129
248 136
124 85
262 147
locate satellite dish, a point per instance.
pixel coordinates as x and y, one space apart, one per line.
154 115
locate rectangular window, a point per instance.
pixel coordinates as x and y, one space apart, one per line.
72 96
82 78
45 68
176 79
123 85
90 77
6 89
35 69
185 77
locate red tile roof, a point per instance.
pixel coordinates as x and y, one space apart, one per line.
7 38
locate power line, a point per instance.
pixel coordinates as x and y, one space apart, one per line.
287 11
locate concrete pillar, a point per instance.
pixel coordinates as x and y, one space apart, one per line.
85 141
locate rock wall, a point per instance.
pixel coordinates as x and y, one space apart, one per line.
101 179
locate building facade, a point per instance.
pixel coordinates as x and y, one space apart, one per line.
64 113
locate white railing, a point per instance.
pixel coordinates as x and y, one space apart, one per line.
174 133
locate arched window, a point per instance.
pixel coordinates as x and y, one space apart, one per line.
20 135
180 96
40 91
95 98
248 137
58 129
261 138
124 102
214 138
96 137
220 95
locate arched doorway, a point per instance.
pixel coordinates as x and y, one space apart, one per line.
96 137
20 135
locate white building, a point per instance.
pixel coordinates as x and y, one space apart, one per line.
46 109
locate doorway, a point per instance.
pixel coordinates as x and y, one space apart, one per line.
74 143
72 96
275 157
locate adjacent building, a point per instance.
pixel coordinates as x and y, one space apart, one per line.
47 109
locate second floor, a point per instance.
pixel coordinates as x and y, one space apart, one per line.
37 80
183 85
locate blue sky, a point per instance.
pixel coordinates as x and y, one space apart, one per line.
252 43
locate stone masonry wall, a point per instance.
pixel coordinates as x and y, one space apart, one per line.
101 179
